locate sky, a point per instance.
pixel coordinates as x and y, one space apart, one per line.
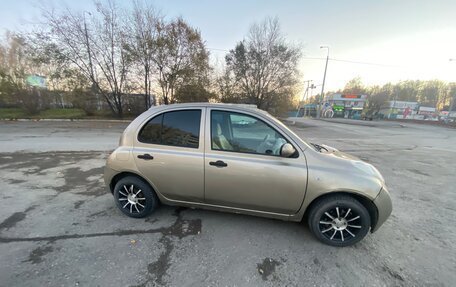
378 41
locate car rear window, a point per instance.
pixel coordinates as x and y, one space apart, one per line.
176 128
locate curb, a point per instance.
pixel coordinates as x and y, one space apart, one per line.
349 123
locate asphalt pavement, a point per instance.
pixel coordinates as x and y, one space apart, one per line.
59 226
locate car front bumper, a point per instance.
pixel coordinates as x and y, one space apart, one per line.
384 207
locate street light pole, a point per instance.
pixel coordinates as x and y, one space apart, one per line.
323 85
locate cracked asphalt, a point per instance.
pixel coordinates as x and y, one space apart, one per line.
59 226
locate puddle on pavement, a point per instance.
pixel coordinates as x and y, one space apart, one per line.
267 268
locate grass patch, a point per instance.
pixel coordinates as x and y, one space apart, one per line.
61 114
17 113
12 113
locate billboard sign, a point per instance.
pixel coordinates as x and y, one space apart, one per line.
338 108
36 81
351 96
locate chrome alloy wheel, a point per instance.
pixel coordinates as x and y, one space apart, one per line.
132 199
340 224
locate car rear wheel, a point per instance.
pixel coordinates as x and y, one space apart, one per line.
134 197
339 220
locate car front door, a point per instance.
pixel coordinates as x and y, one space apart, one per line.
169 152
243 166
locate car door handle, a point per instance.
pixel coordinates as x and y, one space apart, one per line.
145 156
218 163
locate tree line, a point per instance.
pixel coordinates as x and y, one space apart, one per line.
431 93
115 51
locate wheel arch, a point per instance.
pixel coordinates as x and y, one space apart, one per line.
366 202
115 179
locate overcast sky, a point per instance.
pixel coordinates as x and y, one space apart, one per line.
396 40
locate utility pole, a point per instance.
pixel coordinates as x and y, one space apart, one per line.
304 96
323 85
311 93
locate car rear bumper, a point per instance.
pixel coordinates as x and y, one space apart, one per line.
384 207
109 173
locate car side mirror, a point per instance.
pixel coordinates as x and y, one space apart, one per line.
287 150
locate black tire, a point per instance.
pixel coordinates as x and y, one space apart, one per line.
144 201
352 224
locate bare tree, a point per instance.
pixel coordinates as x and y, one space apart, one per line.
142 26
264 66
227 88
94 44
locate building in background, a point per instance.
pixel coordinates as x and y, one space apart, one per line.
351 106
348 106
427 113
339 105
397 109
307 110
408 110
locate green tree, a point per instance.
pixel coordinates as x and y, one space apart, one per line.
377 98
451 97
355 86
406 91
228 91
433 93
263 67
181 59
193 93
15 65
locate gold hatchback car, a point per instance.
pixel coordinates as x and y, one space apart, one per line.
241 159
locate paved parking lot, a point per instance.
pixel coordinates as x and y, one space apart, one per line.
59 227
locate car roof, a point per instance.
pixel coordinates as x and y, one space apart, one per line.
207 104
240 107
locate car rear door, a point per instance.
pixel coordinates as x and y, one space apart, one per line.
169 152
243 168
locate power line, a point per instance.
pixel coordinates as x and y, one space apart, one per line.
364 63
314 58
331 59
351 61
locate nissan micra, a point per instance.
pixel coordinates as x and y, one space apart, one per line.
241 159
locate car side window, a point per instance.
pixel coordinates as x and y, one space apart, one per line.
176 128
236 132
151 132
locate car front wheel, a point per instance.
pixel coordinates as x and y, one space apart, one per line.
339 220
